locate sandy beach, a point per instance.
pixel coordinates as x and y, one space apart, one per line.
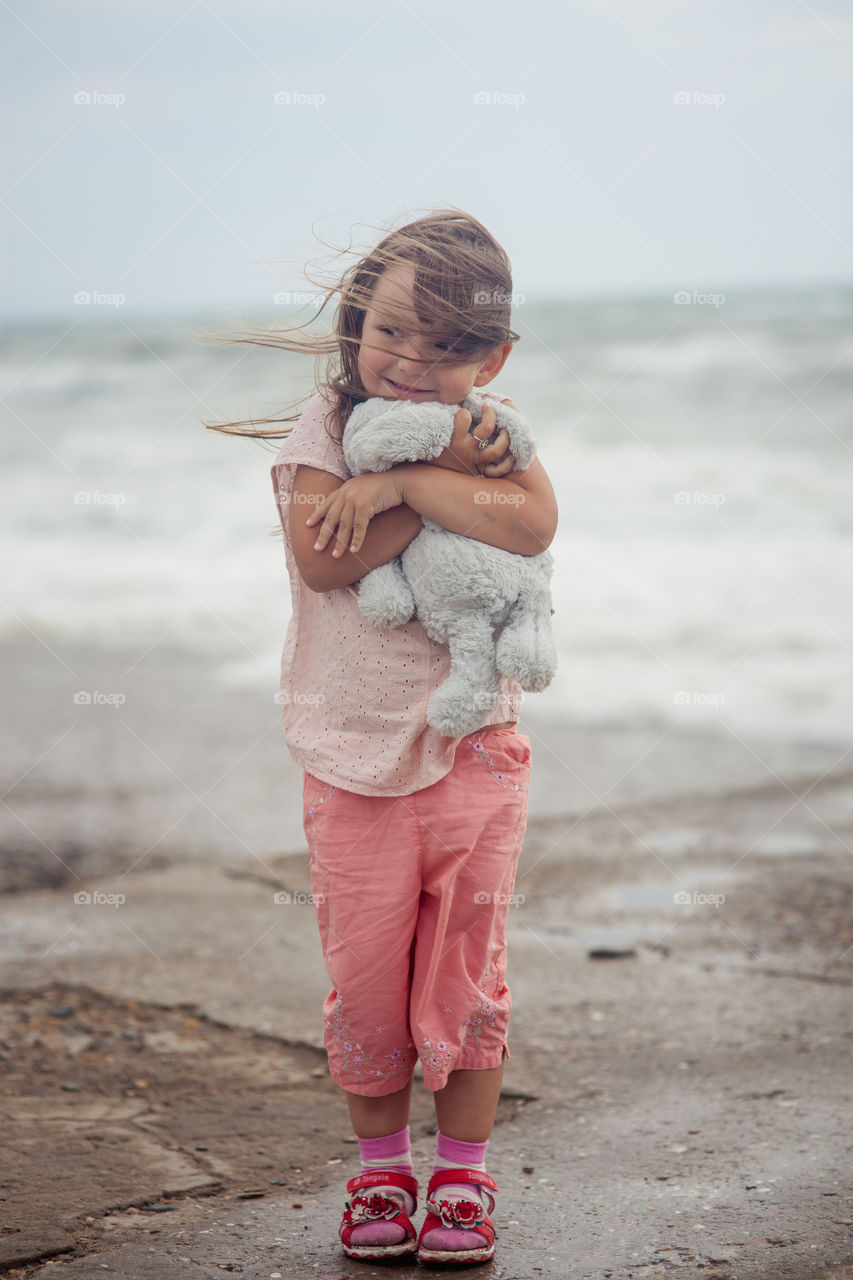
680 960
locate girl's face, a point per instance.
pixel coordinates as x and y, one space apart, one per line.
399 360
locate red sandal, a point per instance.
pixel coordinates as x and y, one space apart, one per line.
455 1211
376 1206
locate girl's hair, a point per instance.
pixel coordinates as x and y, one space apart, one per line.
462 289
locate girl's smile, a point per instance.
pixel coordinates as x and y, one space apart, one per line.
411 393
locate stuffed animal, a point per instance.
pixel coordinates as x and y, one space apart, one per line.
462 590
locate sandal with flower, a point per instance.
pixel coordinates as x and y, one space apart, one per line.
376 1221
458 1228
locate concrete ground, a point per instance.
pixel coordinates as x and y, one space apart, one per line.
678 1096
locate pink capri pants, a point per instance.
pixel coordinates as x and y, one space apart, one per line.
413 894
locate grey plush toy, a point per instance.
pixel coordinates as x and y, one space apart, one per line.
462 590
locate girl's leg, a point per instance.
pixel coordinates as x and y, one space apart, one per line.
374 1117
381 1126
475 821
465 1108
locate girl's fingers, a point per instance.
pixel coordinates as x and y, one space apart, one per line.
496 452
494 470
359 530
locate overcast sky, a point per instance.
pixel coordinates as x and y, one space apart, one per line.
620 146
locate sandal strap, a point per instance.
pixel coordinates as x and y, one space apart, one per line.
384 1178
474 1176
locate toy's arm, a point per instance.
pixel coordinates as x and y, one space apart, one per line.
388 533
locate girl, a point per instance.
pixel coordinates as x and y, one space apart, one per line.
414 838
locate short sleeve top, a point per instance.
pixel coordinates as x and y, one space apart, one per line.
354 695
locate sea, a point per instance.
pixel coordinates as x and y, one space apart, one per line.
700 446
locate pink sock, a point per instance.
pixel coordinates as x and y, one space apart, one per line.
392 1151
453 1153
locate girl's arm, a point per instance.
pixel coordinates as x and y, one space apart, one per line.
517 514
387 535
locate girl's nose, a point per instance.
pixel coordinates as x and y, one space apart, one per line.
411 357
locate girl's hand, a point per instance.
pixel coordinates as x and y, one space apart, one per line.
351 508
464 453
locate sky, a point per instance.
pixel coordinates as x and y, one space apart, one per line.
193 157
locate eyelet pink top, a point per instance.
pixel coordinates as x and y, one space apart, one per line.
354 695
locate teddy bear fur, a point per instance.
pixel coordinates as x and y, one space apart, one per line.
463 591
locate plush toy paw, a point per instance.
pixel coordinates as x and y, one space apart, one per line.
455 711
527 653
384 596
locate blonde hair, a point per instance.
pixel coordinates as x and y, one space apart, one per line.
462 288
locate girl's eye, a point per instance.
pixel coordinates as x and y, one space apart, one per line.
445 346
383 328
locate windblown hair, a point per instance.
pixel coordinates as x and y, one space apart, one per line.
462 292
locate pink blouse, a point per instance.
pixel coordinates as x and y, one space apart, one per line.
354 695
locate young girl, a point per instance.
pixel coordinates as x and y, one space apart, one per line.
413 837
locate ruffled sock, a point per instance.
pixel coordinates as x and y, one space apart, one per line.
453 1153
391 1152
